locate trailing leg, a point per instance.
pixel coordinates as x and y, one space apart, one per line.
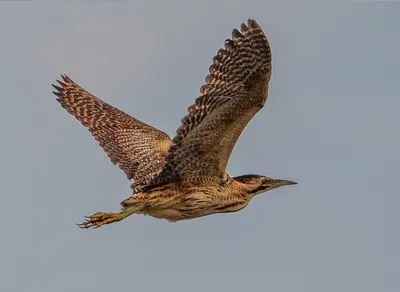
100 218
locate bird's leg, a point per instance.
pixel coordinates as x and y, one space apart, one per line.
100 218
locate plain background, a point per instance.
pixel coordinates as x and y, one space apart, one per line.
331 124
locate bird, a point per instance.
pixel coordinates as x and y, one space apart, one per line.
185 177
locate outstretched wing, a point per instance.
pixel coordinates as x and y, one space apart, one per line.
137 148
236 89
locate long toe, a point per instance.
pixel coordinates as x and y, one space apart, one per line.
99 219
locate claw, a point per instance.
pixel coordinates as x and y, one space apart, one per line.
99 219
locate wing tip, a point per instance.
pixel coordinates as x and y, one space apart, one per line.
236 34
252 24
63 82
62 85
66 79
244 29
58 91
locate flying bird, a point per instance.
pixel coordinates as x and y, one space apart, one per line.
185 178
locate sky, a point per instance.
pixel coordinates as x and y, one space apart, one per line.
331 123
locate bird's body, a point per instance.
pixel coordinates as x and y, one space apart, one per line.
185 200
185 178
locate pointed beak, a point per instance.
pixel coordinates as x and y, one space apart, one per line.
281 182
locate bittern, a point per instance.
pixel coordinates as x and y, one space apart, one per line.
185 178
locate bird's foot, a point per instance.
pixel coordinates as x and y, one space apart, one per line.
99 219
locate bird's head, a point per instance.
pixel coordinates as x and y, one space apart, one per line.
258 184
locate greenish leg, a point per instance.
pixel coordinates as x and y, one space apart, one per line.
100 218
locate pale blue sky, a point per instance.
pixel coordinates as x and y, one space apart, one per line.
331 124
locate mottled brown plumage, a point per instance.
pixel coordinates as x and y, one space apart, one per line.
186 178
236 89
137 148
